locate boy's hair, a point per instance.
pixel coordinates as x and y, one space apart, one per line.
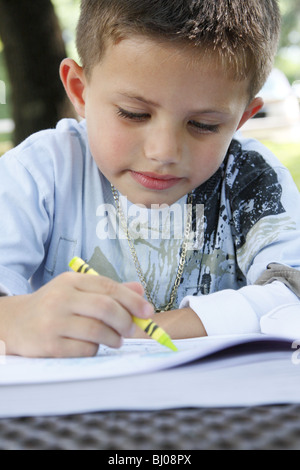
242 34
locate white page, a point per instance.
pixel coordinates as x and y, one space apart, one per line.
231 378
135 357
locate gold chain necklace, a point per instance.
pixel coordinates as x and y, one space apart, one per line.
137 265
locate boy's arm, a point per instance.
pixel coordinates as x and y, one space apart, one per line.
225 312
179 324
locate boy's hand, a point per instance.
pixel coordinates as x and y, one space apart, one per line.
71 316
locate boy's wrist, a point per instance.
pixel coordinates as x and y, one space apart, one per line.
179 324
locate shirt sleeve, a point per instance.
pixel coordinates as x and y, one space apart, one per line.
26 222
240 311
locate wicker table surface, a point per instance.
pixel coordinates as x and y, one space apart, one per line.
261 428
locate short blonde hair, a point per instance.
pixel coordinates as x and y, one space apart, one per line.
242 34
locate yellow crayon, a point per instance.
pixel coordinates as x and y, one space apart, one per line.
147 325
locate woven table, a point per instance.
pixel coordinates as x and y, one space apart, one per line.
261 428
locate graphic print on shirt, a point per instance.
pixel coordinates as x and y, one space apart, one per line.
243 212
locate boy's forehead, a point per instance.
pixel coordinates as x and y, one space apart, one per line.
138 45
143 58
139 51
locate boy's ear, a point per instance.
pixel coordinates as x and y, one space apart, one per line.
253 108
73 79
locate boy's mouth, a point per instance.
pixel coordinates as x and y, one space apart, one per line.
155 181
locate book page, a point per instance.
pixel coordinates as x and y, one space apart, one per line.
134 357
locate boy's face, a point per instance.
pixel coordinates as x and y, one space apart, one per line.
160 124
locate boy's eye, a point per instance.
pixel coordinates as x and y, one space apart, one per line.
132 116
141 117
204 128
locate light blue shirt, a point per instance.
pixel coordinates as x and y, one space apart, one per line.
53 199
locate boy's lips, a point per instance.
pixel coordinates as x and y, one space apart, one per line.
154 180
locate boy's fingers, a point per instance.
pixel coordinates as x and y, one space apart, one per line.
96 310
69 347
132 301
92 331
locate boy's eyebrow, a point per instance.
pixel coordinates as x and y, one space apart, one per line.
139 98
221 111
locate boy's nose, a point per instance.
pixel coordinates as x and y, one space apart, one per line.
163 145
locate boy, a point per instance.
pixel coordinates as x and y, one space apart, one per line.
163 87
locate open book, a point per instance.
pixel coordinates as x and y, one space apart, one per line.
238 370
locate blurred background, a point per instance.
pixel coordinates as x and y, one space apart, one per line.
36 36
